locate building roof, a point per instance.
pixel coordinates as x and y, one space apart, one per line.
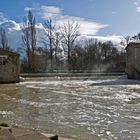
133 44
7 52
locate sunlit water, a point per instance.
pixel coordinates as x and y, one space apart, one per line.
107 107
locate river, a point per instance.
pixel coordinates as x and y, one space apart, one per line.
106 106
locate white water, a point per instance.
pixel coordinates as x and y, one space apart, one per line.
109 107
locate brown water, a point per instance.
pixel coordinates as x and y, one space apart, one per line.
107 107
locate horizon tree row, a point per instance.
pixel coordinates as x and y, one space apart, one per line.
61 51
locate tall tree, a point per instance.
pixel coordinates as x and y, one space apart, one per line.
29 39
57 45
3 39
69 33
32 29
26 43
50 28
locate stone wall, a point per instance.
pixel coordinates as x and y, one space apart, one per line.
9 72
133 60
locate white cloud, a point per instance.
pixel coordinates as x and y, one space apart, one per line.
86 26
49 12
114 38
90 27
44 11
138 9
3 18
50 9
118 41
28 8
137 5
113 12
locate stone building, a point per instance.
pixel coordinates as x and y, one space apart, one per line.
133 60
9 66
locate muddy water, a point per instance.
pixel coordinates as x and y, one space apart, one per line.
106 107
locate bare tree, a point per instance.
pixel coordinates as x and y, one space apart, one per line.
57 43
50 27
69 33
32 29
26 43
29 39
47 53
32 22
4 40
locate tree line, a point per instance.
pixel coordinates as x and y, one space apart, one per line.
63 51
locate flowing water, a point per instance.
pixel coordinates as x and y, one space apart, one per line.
108 107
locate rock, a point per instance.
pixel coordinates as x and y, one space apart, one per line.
51 135
5 134
55 137
5 126
33 136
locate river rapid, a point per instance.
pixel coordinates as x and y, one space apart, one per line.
106 106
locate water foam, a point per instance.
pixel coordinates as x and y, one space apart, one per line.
6 113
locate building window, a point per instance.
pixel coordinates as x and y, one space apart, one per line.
3 60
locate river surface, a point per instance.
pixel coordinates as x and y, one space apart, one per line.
106 106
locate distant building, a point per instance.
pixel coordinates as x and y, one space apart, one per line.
133 60
9 66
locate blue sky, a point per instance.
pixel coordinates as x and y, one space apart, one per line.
109 17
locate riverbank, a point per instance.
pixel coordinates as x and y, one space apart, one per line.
7 133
